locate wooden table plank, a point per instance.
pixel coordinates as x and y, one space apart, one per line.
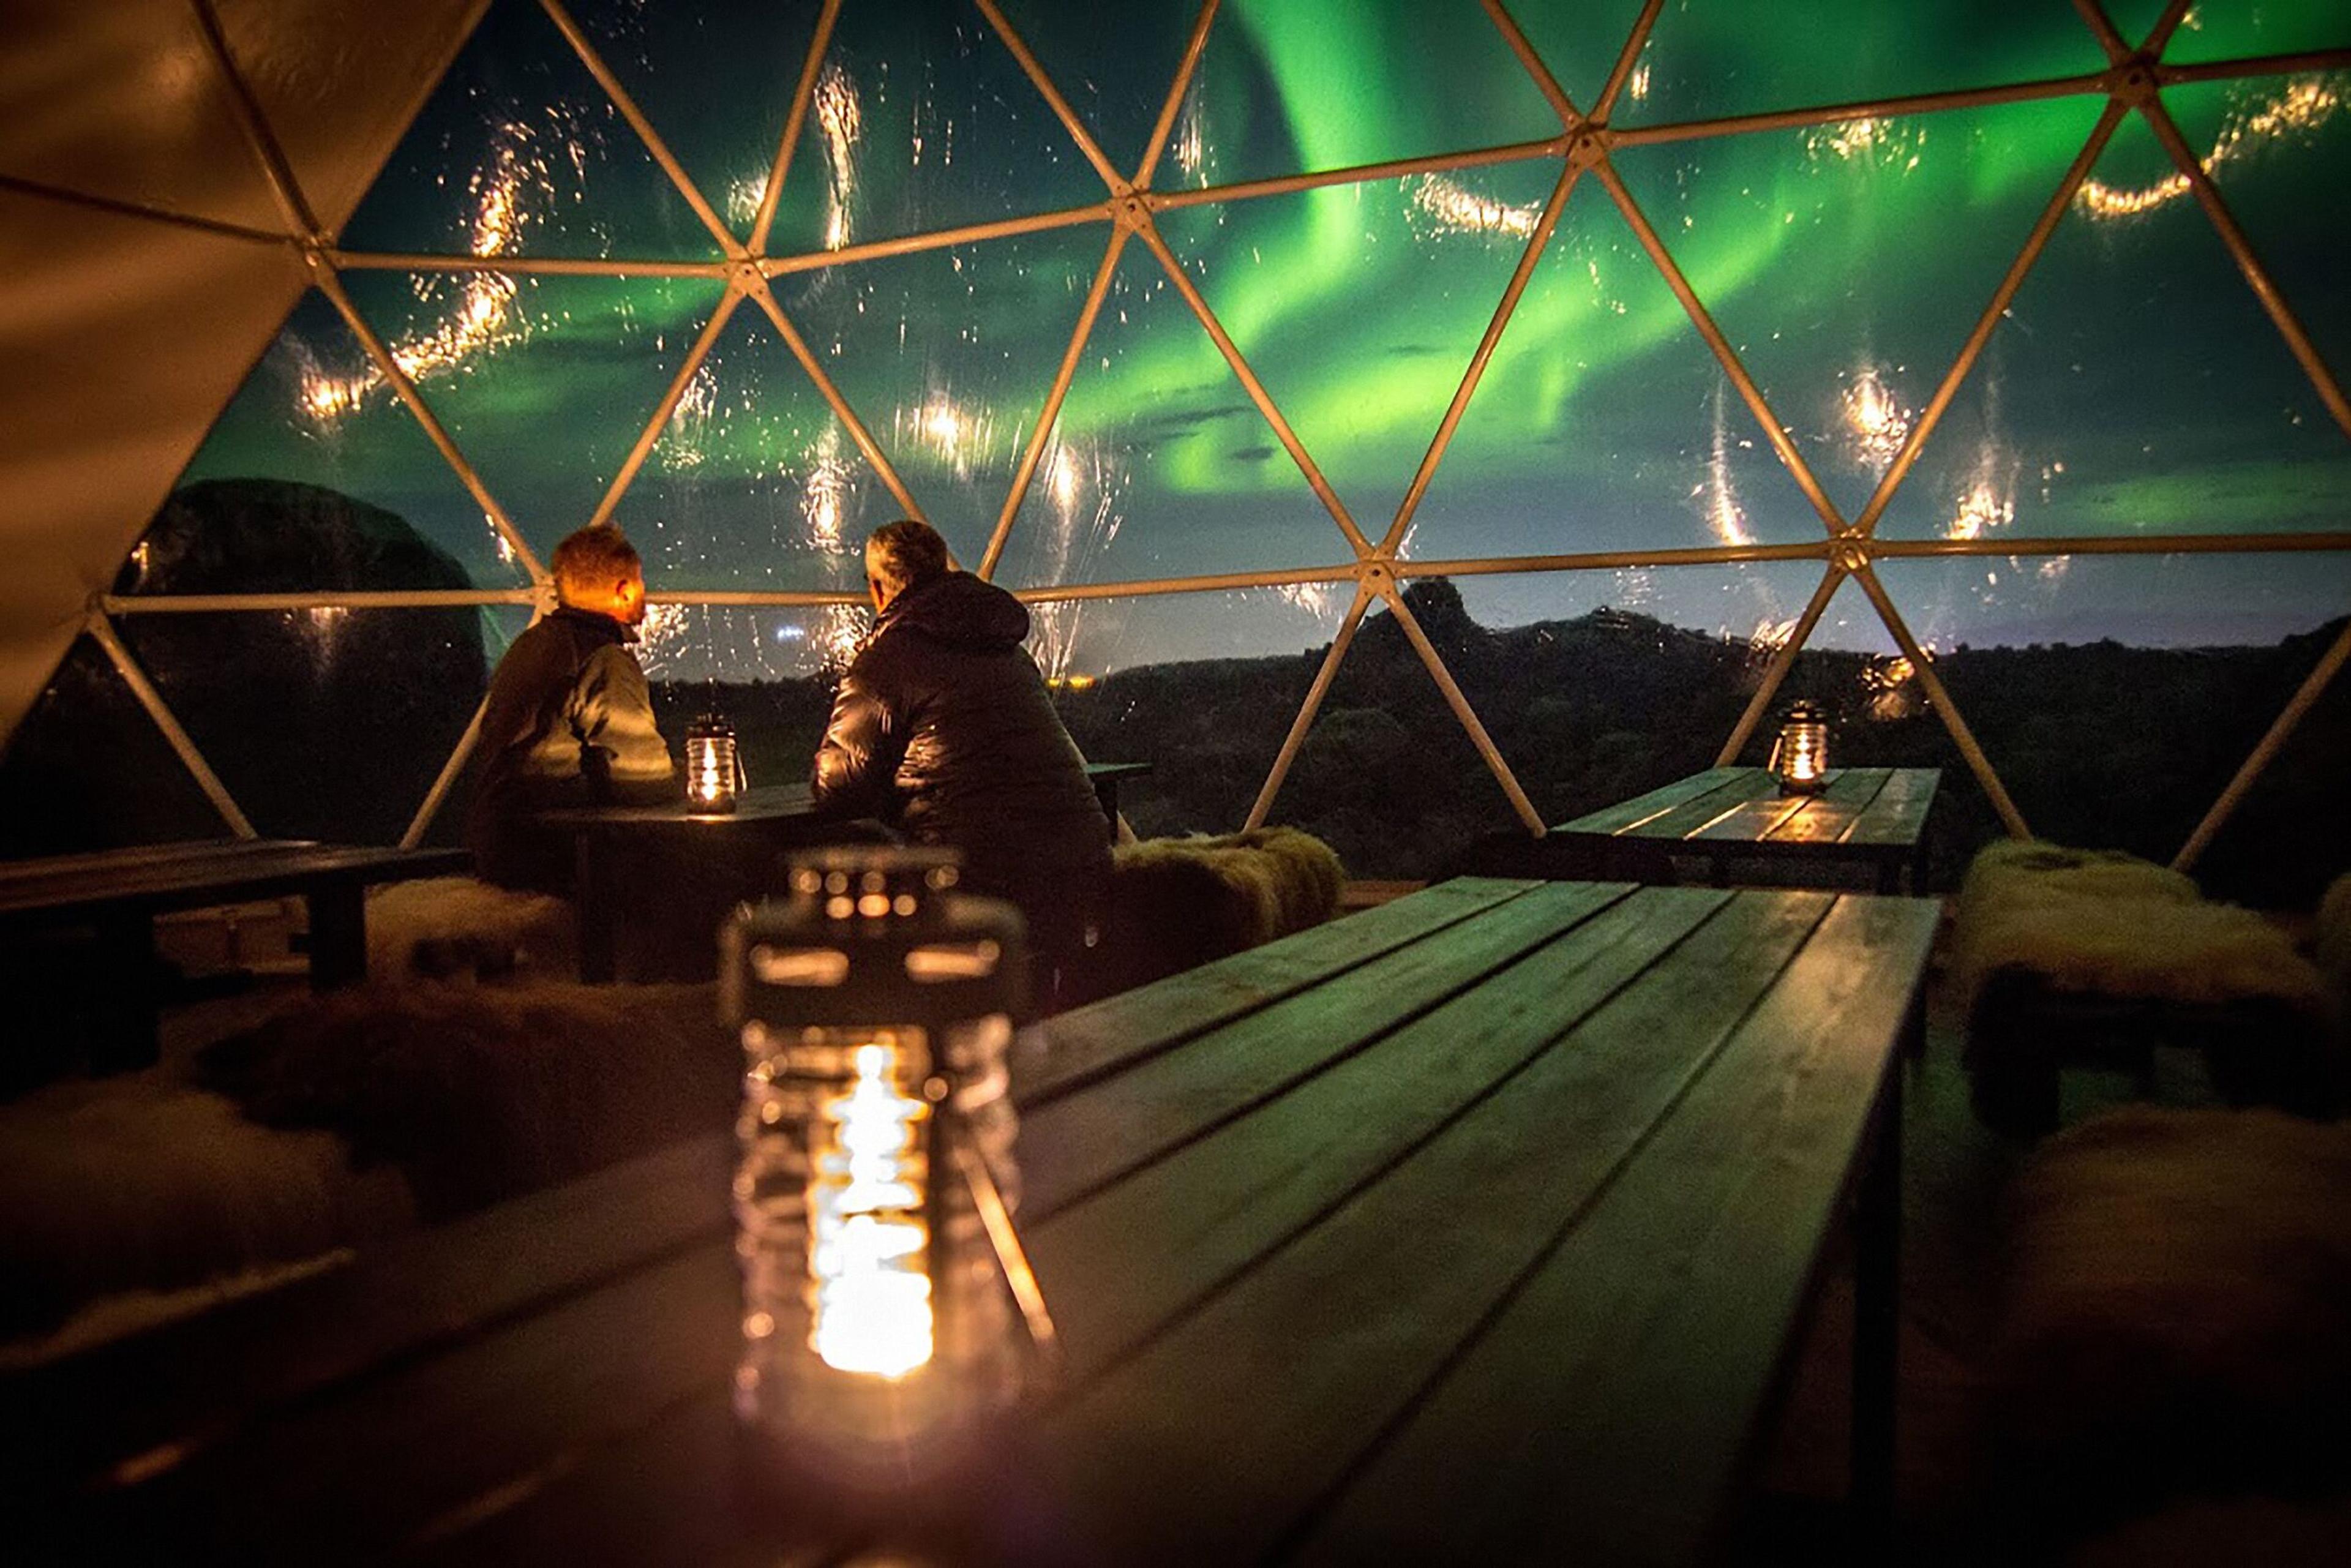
1079 1145
1264 1398
388 1459
1828 817
1626 815
1898 813
1118 1032
1627 1382
158 1398
215 876
1237 1196
1692 816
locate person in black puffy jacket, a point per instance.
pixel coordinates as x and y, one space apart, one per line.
943 728
569 719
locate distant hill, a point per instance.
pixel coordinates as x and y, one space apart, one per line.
325 724
2099 744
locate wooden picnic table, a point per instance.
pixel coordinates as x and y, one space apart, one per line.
1482 1226
118 892
767 821
1873 818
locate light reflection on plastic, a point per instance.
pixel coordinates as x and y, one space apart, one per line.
1722 510
1877 423
509 191
1453 209
840 120
1885 143
2307 103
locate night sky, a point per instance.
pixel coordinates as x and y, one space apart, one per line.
2136 387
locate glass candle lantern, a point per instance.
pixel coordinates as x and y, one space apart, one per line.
713 768
887 1309
1800 757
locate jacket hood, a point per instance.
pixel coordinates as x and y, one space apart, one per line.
962 611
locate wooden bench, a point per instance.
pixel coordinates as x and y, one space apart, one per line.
120 892
1481 1225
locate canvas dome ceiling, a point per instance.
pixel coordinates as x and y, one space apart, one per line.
1308 297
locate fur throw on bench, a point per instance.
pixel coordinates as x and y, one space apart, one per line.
441 927
349 1117
1176 903
2098 922
2176 1316
2331 942
478 1094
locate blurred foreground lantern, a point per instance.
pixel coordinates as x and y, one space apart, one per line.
714 770
886 1300
1800 757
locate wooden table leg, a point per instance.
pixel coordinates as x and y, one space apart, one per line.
127 1011
1877 1327
338 934
594 902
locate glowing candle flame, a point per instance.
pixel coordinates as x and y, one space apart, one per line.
870 1287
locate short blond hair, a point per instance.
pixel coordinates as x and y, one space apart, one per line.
594 558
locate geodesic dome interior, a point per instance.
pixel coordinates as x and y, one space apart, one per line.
1217 333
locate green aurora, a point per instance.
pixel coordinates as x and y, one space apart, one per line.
2135 387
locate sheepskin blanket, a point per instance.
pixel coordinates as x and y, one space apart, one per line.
2176 1315
2331 942
440 927
137 1185
2097 923
1178 903
478 1093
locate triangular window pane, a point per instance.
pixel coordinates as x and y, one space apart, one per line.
1359 306
318 476
2136 387
1204 684
1387 776
1292 86
1579 41
921 120
2289 839
1599 685
754 484
2117 696
1605 423
544 383
1115 77
87 770
789 657
322 724
2270 142
1704 61
947 355
1160 466
520 152
2253 27
1847 263
716 81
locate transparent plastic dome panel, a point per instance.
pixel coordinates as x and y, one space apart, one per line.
1298 356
